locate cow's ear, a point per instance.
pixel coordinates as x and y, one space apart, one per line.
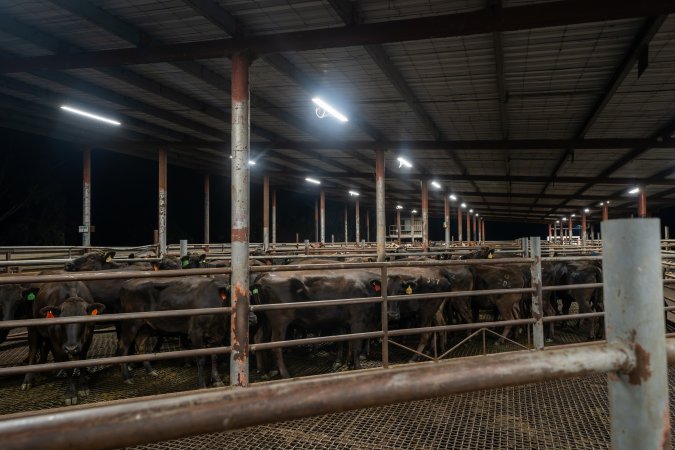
131 256
185 261
109 256
30 294
155 266
255 293
94 309
49 312
375 284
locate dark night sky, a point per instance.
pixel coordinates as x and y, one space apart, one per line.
43 178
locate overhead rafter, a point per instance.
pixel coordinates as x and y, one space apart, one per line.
641 40
539 15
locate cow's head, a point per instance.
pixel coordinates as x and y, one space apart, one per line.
484 252
193 261
71 337
15 301
92 261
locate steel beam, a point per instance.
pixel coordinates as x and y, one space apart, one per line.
459 224
533 16
239 370
446 219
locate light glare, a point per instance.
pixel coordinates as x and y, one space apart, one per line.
312 180
463 205
354 193
435 184
587 210
403 162
330 110
635 190
453 197
414 211
399 207
90 115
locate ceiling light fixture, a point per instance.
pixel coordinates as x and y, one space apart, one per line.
312 180
90 115
325 109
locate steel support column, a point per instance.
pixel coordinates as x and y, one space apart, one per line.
642 203
633 293
86 197
323 216
274 217
537 296
346 224
207 209
550 231
367 225
316 221
162 160
379 202
459 224
483 229
468 227
446 219
475 234
570 230
266 212
239 373
425 216
605 212
584 233
412 228
356 221
398 224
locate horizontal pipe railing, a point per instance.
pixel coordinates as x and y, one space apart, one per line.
150 419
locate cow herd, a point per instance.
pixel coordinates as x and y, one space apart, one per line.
93 297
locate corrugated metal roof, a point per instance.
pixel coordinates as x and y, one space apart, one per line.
553 77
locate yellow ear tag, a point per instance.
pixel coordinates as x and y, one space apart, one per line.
490 256
108 259
408 290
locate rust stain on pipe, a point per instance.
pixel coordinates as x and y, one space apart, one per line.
642 371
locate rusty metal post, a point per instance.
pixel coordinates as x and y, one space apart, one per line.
240 220
605 212
642 203
367 225
207 210
425 216
162 160
468 227
633 298
480 230
384 284
274 217
86 197
459 224
316 220
322 196
555 232
412 228
398 224
550 230
379 204
346 225
358 234
475 235
593 232
584 234
446 219
570 230
537 296
483 229
266 212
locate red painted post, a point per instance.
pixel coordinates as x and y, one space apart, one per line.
483 225
266 212
475 234
459 224
425 216
570 228
642 203
468 227
605 211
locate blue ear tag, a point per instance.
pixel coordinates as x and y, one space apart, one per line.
30 296
186 262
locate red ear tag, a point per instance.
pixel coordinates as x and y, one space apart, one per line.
377 287
49 315
155 267
223 295
94 312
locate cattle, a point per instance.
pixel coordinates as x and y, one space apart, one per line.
93 261
588 299
192 292
302 286
425 280
15 304
67 341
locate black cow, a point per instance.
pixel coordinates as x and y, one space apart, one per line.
425 280
301 286
16 302
143 295
69 341
93 261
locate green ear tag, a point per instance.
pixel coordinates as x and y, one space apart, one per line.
186 262
255 291
30 296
